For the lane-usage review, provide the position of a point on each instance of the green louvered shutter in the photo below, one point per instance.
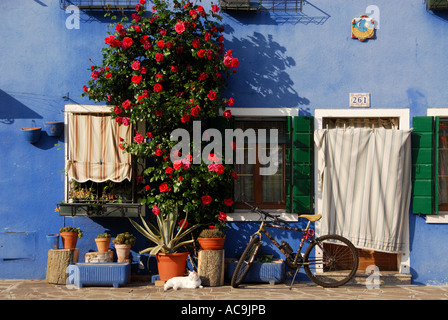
(424, 165)
(300, 159)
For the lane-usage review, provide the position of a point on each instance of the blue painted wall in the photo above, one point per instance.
(305, 60)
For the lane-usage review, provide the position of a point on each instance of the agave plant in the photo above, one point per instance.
(168, 234)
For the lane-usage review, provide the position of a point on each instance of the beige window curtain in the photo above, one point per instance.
(94, 152)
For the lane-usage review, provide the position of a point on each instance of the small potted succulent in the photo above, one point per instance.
(211, 239)
(123, 243)
(70, 236)
(102, 242)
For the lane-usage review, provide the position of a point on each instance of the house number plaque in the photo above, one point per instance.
(359, 100)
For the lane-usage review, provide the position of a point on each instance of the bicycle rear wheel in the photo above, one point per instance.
(331, 261)
(245, 262)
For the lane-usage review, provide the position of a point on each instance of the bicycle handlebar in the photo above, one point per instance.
(267, 214)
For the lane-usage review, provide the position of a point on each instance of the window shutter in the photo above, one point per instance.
(424, 170)
(300, 159)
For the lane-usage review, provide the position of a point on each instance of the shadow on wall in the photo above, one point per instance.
(263, 77)
(11, 109)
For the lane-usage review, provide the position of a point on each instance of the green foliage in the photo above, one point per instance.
(72, 229)
(104, 235)
(169, 233)
(211, 233)
(125, 238)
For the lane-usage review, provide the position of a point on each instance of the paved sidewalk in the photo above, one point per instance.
(40, 290)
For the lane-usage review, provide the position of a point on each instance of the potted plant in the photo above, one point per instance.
(102, 242)
(168, 237)
(70, 236)
(123, 243)
(211, 239)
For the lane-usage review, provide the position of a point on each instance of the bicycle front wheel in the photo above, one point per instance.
(331, 261)
(245, 262)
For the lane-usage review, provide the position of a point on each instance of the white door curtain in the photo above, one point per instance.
(366, 186)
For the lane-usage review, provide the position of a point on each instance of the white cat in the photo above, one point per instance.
(191, 281)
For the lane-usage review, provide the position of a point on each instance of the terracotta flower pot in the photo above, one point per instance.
(69, 239)
(123, 251)
(211, 243)
(102, 244)
(171, 265)
(32, 135)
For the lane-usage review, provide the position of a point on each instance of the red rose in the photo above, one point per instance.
(215, 8)
(164, 187)
(201, 53)
(135, 65)
(117, 110)
(211, 95)
(185, 118)
(161, 44)
(196, 43)
(138, 138)
(158, 152)
(174, 69)
(126, 105)
(156, 210)
(230, 102)
(136, 79)
(227, 114)
(177, 164)
(159, 56)
(183, 224)
(222, 216)
(179, 27)
(206, 199)
(228, 202)
(169, 170)
(127, 42)
(147, 187)
(158, 87)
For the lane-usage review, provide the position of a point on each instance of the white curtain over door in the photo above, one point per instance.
(366, 186)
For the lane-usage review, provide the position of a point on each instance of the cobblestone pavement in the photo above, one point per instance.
(40, 290)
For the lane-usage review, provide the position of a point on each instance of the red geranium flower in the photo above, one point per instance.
(156, 210)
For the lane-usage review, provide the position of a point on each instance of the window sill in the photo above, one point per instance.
(442, 217)
(247, 215)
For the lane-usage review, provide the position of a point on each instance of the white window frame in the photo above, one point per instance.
(442, 217)
(404, 120)
(247, 215)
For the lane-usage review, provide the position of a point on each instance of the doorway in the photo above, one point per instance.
(392, 119)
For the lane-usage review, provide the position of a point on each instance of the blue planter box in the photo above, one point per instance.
(261, 271)
(115, 274)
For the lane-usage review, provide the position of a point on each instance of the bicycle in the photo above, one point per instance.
(329, 261)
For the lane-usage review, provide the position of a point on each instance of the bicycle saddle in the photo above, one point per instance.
(311, 217)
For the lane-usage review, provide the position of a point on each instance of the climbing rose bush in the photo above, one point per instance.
(167, 68)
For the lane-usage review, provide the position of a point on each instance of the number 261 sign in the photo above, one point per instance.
(359, 99)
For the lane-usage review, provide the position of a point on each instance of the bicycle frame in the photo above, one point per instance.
(306, 235)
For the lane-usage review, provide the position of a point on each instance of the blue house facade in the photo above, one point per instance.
(305, 63)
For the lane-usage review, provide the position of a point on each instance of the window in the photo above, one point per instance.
(264, 191)
(443, 164)
(289, 191)
(100, 177)
(430, 163)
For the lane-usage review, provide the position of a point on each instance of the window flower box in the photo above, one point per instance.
(436, 4)
(100, 209)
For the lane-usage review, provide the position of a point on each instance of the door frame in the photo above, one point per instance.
(404, 123)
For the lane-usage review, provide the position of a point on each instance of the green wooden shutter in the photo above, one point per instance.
(424, 165)
(300, 186)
